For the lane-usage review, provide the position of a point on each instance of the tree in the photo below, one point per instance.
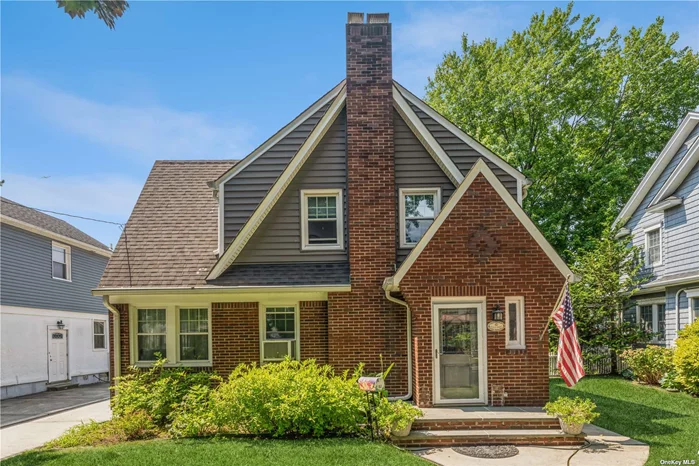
(609, 275)
(106, 10)
(581, 116)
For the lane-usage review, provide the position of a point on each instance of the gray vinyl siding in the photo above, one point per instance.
(671, 310)
(25, 274)
(463, 155)
(680, 237)
(415, 168)
(278, 239)
(244, 192)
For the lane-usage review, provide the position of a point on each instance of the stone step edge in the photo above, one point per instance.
(495, 433)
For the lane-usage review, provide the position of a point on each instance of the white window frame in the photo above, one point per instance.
(519, 343)
(179, 333)
(305, 244)
(68, 263)
(654, 326)
(263, 329)
(402, 192)
(693, 299)
(104, 334)
(172, 334)
(646, 233)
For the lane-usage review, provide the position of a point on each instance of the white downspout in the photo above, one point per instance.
(677, 313)
(409, 395)
(116, 335)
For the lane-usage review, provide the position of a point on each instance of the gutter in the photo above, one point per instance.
(116, 335)
(408, 395)
(219, 289)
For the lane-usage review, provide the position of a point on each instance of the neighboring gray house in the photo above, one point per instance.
(53, 330)
(663, 218)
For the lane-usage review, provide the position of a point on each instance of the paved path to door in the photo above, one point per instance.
(32, 434)
(25, 408)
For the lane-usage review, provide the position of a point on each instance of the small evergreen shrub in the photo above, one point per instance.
(686, 358)
(649, 364)
(156, 391)
(133, 426)
(289, 398)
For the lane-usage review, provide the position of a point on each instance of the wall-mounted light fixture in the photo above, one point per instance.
(498, 314)
(60, 324)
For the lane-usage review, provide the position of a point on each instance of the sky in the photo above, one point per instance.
(85, 111)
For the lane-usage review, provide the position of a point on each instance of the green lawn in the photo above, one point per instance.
(668, 422)
(225, 451)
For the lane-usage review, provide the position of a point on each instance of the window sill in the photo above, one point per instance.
(515, 347)
(322, 248)
(178, 364)
(408, 246)
(62, 279)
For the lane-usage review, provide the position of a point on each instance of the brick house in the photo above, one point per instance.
(368, 229)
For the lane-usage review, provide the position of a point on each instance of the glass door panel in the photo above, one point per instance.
(458, 353)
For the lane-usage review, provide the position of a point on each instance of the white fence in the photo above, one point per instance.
(602, 366)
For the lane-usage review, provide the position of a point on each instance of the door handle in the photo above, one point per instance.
(436, 353)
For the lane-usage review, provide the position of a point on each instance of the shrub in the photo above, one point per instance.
(649, 364)
(395, 415)
(156, 391)
(289, 398)
(572, 411)
(686, 358)
(134, 426)
(194, 416)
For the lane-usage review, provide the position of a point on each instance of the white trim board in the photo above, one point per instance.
(679, 174)
(479, 167)
(55, 236)
(279, 187)
(459, 133)
(663, 159)
(426, 139)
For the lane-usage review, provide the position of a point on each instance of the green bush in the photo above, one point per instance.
(395, 415)
(194, 417)
(156, 391)
(572, 411)
(134, 426)
(686, 358)
(649, 364)
(289, 398)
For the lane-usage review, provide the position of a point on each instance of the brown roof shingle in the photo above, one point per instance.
(171, 235)
(47, 222)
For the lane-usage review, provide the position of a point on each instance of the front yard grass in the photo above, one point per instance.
(224, 451)
(668, 422)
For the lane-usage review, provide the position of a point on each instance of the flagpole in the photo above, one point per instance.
(555, 308)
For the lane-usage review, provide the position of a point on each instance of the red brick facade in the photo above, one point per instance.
(124, 342)
(518, 266)
(235, 335)
(313, 316)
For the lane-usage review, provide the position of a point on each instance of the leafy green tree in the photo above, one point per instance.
(106, 10)
(582, 116)
(609, 275)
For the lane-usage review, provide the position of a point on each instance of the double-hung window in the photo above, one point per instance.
(514, 322)
(181, 334)
(654, 249)
(321, 219)
(649, 316)
(60, 261)
(279, 331)
(693, 297)
(418, 209)
(99, 339)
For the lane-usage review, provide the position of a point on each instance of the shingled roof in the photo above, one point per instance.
(46, 222)
(170, 238)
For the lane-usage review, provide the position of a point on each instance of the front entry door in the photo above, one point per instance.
(58, 355)
(459, 352)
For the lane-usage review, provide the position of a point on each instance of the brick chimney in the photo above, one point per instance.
(370, 153)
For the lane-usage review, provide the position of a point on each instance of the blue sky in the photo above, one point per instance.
(86, 110)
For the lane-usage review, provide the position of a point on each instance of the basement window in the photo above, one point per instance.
(321, 220)
(514, 322)
(418, 209)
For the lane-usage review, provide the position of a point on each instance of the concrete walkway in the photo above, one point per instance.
(32, 434)
(606, 448)
(25, 408)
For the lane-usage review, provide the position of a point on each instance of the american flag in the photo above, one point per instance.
(570, 363)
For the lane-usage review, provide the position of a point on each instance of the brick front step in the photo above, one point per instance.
(486, 424)
(456, 438)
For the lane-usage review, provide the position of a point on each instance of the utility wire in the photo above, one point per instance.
(77, 216)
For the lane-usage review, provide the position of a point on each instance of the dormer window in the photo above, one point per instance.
(654, 251)
(321, 220)
(418, 209)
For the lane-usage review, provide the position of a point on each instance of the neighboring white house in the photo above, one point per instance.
(54, 332)
(663, 218)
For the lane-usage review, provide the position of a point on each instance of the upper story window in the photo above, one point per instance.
(514, 322)
(321, 219)
(418, 209)
(279, 333)
(60, 258)
(654, 250)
